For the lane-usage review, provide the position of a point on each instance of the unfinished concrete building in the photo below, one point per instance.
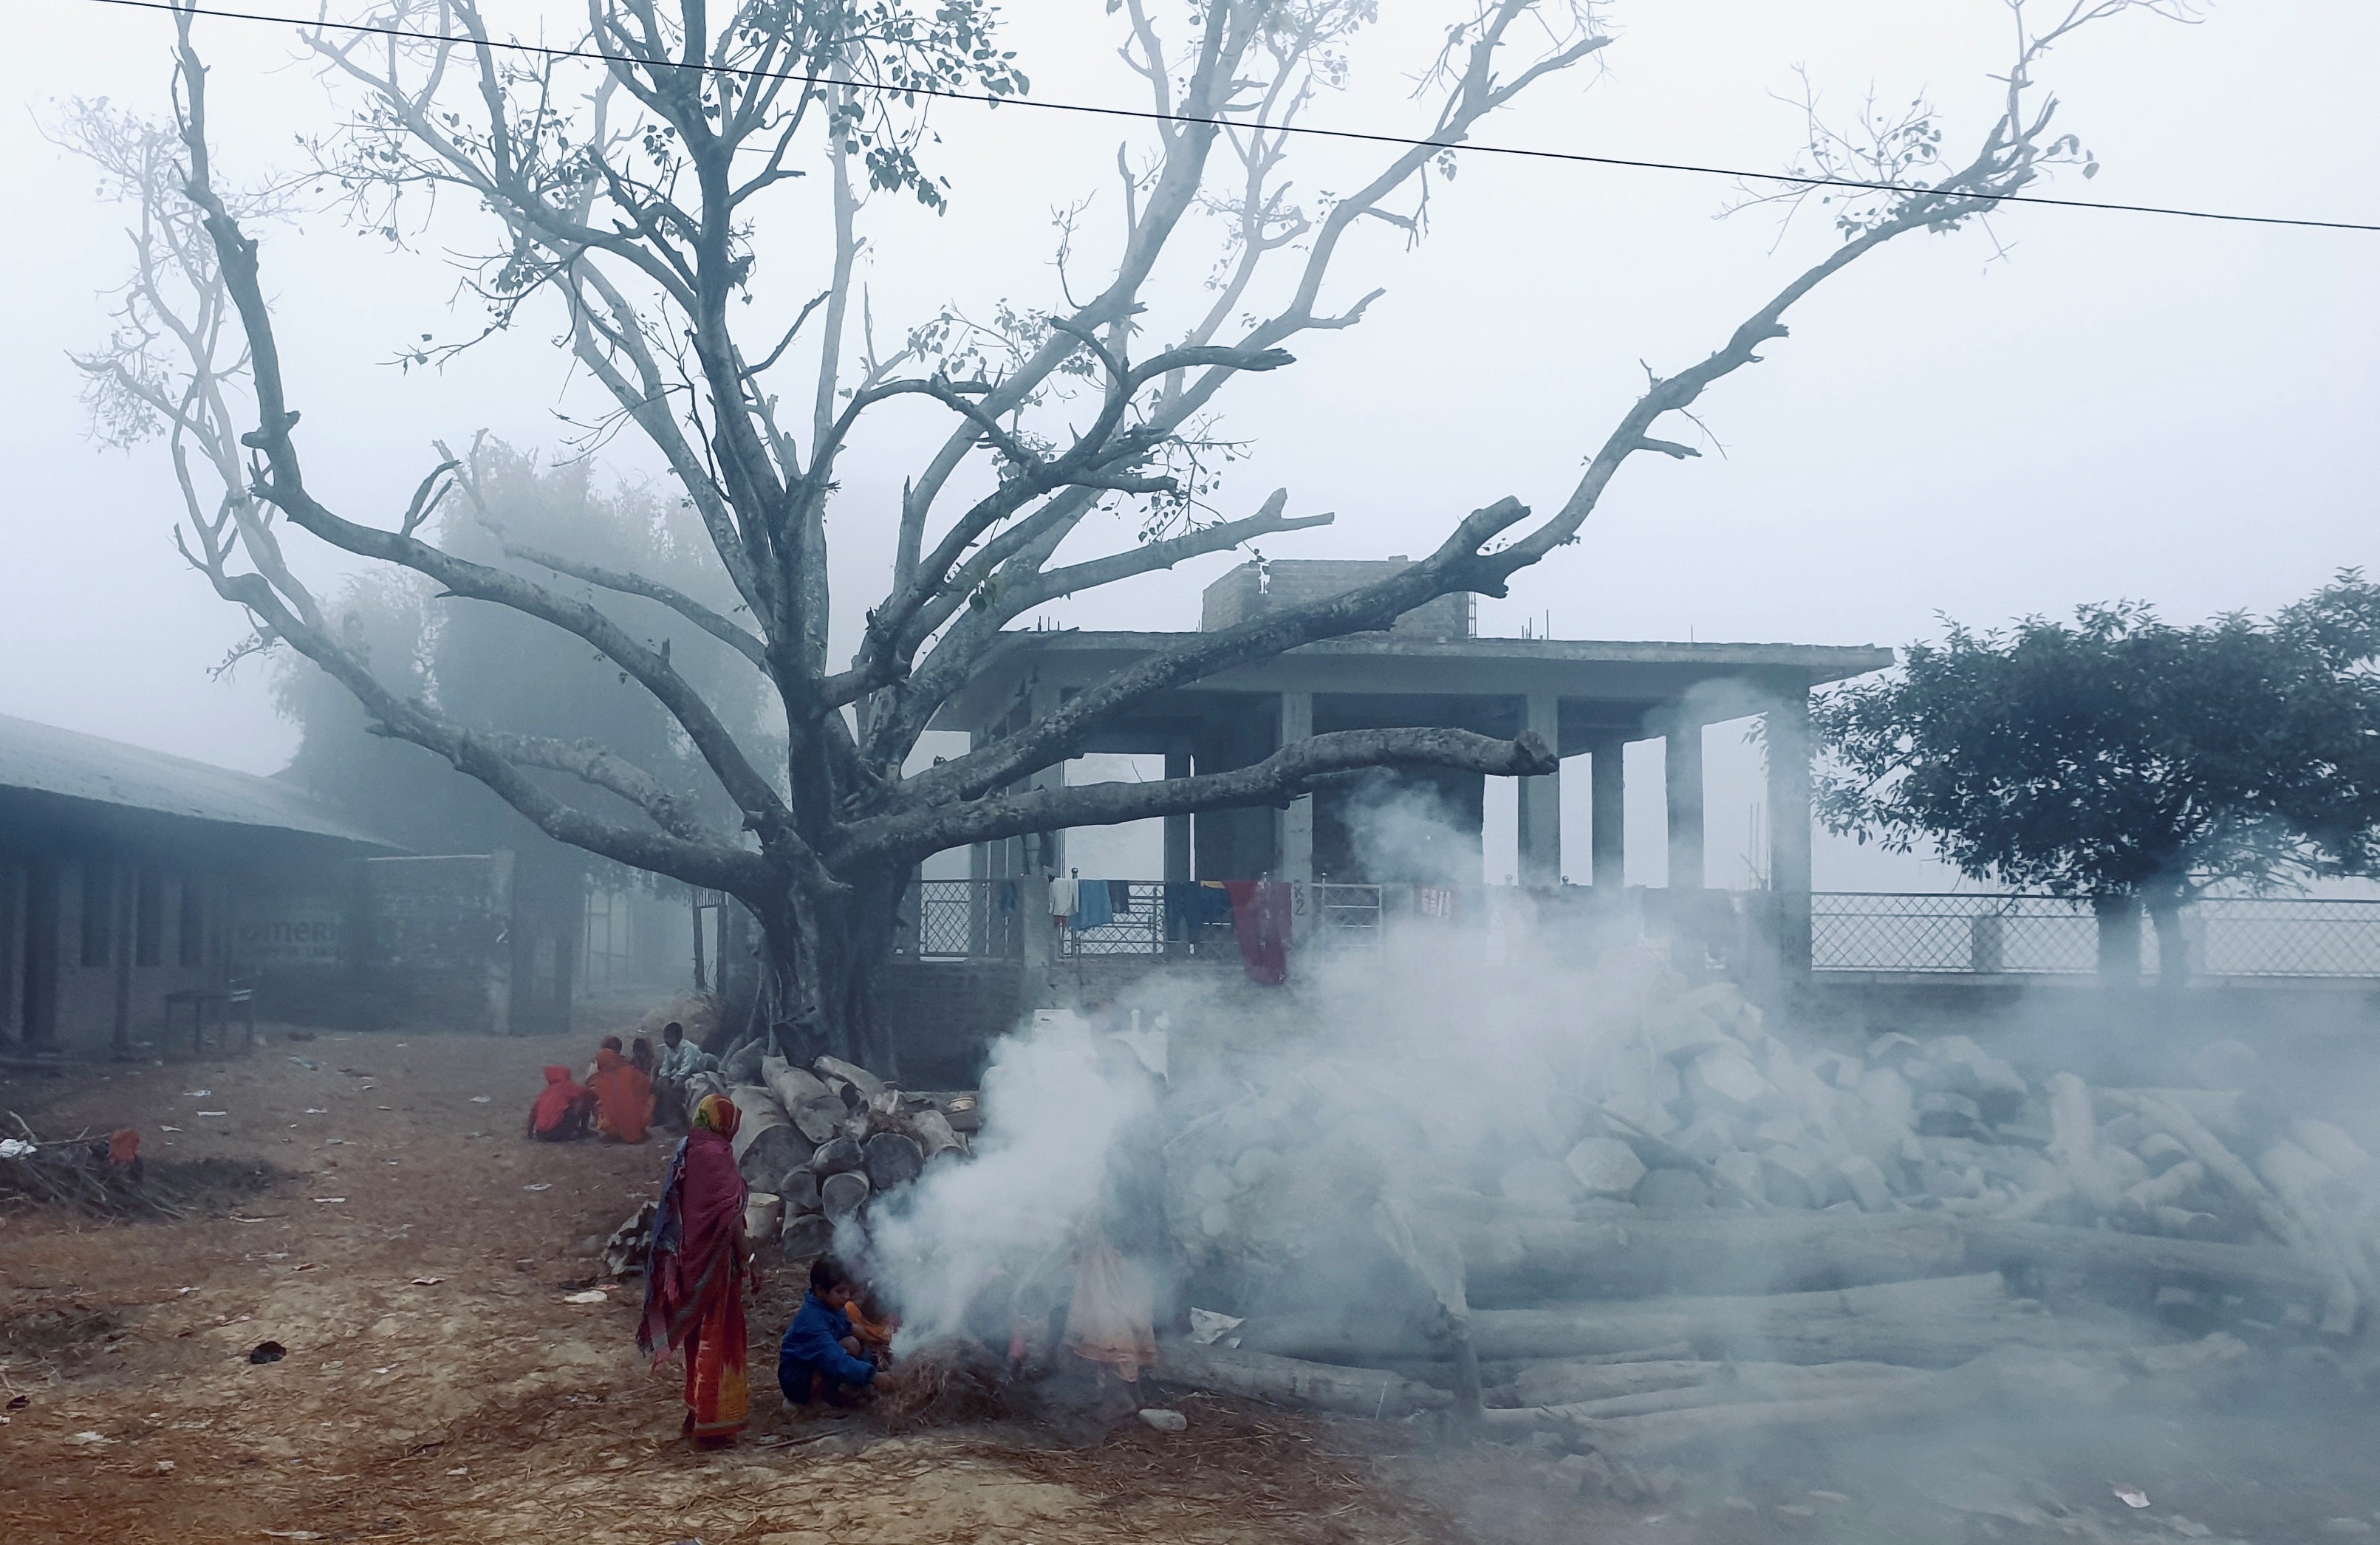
(1589, 699)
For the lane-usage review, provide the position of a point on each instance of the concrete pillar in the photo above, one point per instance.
(1788, 739)
(1177, 827)
(1540, 800)
(1045, 852)
(1682, 779)
(1607, 807)
(1293, 849)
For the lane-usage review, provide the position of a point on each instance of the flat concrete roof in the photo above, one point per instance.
(1632, 674)
(69, 765)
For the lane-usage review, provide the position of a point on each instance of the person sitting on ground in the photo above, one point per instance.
(679, 1055)
(640, 1056)
(624, 1096)
(679, 1059)
(561, 1110)
(610, 1044)
(820, 1358)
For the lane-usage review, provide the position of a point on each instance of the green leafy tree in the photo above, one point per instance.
(2124, 761)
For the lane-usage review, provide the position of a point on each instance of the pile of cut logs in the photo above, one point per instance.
(828, 1140)
(1692, 1228)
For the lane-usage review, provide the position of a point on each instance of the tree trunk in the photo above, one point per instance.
(822, 951)
(2119, 940)
(2174, 964)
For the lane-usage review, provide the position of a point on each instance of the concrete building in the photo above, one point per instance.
(126, 875)
(1587, 699)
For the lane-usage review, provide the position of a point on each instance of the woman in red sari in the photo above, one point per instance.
(694, 1282)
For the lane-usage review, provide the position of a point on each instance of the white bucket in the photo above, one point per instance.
(763, 1212)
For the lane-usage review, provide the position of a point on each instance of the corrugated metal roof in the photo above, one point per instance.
(78, 766)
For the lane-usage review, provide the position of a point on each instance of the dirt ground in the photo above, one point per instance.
(367, 1202)
(412, 1253)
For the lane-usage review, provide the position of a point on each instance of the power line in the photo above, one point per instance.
(1147, 114)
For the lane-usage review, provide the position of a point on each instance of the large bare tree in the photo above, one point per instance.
(621, 182)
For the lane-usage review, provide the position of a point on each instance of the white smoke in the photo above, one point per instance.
(1051, 1115)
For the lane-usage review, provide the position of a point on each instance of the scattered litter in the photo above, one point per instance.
(330, 1198)
(2132, 1496)
(482, 1098)
(164, 1466)
(179, 1291)
(310, 1266)
(211, 1113)
(425, 1282)
(381, 1107)
(460, 1470)
(291, 1534)
(1207, 1327)
(391, 1369)
(316, 1110)
(169, 1128)
(84, 1440)
(266, 1351)
(306, 1062)
(17, 1148)
(1165, 1422)
(591, 1296)
(539, 1186)
(196, 1094)
(19, 1401)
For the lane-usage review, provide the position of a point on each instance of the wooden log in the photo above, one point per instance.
(1932, 1323)
(1506, 1371)
(2147, 1261)
(811, 1234)
(1359, 1391)
(795, 1087)
(767, 1144)
(838, 1154)
(799, 1187)
(1568, 1381)
(892, 1161)
(1666, 1432)
(1515, 1259)
(841, 1196)
(1718, 1384)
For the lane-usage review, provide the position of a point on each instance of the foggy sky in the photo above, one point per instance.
(2118, 407)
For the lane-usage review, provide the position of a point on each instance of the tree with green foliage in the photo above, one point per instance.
(2124, 761)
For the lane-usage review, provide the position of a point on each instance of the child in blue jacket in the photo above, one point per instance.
(819, 1354)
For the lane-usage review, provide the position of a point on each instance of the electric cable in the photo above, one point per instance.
(1150, 114)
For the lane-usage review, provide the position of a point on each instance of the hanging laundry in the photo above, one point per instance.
(1064, 897)
(1260, 917)
(1191, 905)
(1094, 904)
(1120, 897)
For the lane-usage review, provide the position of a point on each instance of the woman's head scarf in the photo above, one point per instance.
(717, 1113)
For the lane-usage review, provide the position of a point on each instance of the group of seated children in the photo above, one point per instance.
(834, 1349)
(618, 1099)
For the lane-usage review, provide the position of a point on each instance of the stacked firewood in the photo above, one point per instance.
(1767, 1232)
(830, 1139)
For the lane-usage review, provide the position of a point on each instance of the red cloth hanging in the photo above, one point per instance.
(1260, 917)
